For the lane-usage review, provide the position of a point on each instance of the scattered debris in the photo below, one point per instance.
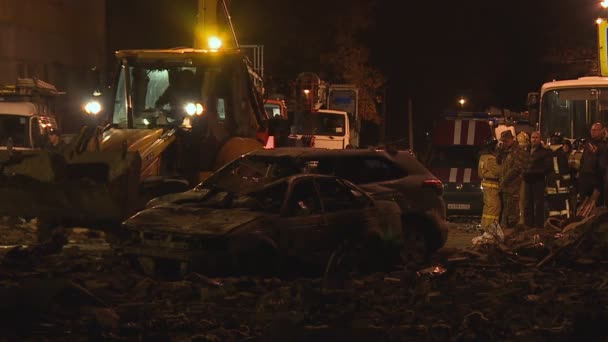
(536, 284)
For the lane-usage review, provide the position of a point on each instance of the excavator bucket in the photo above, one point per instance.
(86, 188)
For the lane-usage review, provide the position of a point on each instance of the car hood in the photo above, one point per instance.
(190, 220)
(177, 198)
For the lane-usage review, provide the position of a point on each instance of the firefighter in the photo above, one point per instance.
(537, 166)
(512, 158)
(593, 164)
(523, 139)
(489, 171)
(55, 143)
(559, 179)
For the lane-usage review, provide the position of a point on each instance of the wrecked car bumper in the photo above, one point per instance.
(197, 260)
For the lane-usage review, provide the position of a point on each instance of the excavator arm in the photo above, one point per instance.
(208, 25)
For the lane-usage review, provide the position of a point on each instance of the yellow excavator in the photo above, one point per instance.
(169, 119)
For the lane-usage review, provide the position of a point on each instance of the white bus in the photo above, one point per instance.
(571, 106)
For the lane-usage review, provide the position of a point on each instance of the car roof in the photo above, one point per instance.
(403, 159)
(311, 152)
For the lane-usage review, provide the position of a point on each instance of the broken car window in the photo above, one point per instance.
(304, 200)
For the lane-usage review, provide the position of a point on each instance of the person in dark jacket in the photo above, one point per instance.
(559, 179)
(534, 182)
(593, 164)
(55, 144)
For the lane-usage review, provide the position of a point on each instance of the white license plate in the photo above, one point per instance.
(459, 206)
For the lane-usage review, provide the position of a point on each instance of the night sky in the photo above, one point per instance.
(491, 52)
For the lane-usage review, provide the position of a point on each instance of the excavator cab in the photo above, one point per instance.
(203, 98)
(171, 118)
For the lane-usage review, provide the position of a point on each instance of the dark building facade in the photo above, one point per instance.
(58, 41)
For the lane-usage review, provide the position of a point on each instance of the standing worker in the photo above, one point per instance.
(593, 165)
(534, 174)
(523, 140)
(512, 158)
(489, 171)
(559, 179)
(55, 143)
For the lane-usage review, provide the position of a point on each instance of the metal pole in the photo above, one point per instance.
(262, 61)
(229, 18)
(383, 128)
(410, 124)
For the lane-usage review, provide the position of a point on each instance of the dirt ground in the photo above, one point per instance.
(85, 291)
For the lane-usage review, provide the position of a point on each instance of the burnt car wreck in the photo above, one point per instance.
(262, 226)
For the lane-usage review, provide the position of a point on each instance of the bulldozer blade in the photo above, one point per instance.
(87, 188)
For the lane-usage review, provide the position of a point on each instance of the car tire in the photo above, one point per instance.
(348, 258)
(146, 265)
(415, 251)
(260, 260)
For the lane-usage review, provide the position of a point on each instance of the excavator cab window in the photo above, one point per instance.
(159, 95)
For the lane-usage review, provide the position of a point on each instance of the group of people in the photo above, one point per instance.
(526, 181)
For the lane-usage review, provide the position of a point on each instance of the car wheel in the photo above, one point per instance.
(415, 250)
(147, 265)
(345, 260)
(261, 260)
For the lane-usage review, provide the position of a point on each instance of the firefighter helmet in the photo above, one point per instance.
(556, 138)
(579, 144)
(523, 138)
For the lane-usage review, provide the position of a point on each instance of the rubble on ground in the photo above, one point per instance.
(490, 292)
(580, 240)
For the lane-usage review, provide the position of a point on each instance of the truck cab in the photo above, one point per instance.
(26, 113)
(24, 126)
(329, 128)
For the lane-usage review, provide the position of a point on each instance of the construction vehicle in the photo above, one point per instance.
(275, 109)
(170, 118)
(27, 113)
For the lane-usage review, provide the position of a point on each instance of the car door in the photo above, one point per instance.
(348, 213)
(302, 227)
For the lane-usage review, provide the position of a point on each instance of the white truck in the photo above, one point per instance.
(313, 95)
(26, 114)
(329, 128)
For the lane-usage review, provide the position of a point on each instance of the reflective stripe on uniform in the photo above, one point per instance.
(566, 177)
(489, 184)
(492, 217)
(568, 208)
(558, 212)
(555, 166)
(555, 190)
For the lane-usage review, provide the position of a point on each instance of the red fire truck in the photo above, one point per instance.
(455, 144)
